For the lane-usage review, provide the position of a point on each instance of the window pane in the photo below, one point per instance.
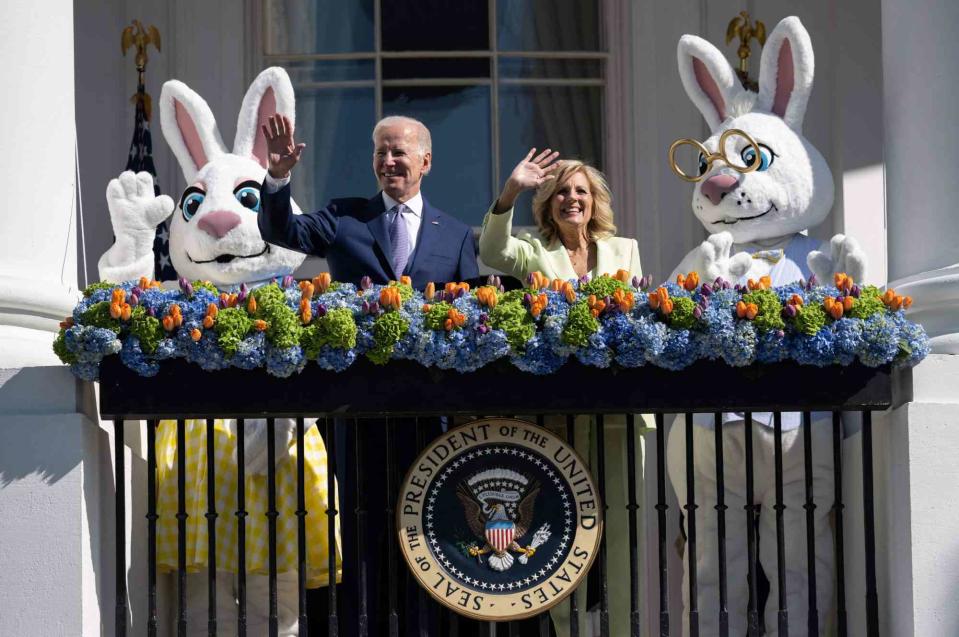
(318, 26)
(459, 123)
(565, 118)
(304, 72)
(552, 69)
(435, 25)
(336, 125)
(403, 68)
(548, 25)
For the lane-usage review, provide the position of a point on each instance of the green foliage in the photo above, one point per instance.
(603, 286)
(406, 291)
(284, 324)
(205, 285)
(868, 303)
(435, 319)
(388, 329)
(60, 349)
(682, 317)
(580, 325)
(100, 285)
(231, 327)
(810, 319)
(336, 329)
(511, 316)
(146, 328)
(770, 310)
(98, 315)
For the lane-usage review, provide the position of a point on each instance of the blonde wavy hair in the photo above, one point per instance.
(600, 225)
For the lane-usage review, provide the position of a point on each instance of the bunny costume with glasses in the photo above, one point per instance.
(757, 193)
(214, 236)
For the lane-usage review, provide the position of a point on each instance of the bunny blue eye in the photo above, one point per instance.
(703, 166)
(766, 156)
(249, 197)
(190, 202)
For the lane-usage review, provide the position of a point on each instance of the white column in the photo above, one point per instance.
(38, 255)
(921, 89)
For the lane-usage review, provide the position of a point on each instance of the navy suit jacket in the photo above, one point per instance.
(353, 235)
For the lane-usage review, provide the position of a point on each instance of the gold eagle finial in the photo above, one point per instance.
(137, 36)
(742, 27)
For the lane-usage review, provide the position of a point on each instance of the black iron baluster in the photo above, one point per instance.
(271, 515)
(573, 605)
(181, 516)
(869, 519)
(812, 620)
(631, 508)
(329, 433)
(721, 523)
(392, 566)
(120, 480)
(303, 622)
(690, 509)
(454, 618)
(603, 566)
(360, 512)
(421, 600)
(837, 508)
(241, 527)
(211, 516)
(512, 629)
(152, 517)
(661, 508)
(752, 615)
(783, 615)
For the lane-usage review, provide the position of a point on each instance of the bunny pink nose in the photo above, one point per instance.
(219, 222)
(718, 186)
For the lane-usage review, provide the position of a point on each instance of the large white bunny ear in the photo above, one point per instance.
(708, 79)
(189, 128)
(786, 72)
(271, 92)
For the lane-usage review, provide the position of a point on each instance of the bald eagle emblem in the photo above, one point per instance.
(498, 505)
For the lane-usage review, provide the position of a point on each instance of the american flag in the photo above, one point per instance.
(499, 533)
(141, 159)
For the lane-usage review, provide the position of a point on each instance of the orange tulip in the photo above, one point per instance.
(621, 275)
(795, 299)
(118, 295)
(556, 285)
(847, 303)
(843, 281)
(906, 302)
(125, 312)
(66, 323)
(569, 292)
(430, 291)
(426, 308)
(144, 283)
(115, 310)
(208, 321)
(888, 296)
(306, 315)
(667, 306)
(168, 323)
(251, 305)
(260, 325)
(322, 282)
(196, 334)
(833, 307)
(405, 280)
(896, 303)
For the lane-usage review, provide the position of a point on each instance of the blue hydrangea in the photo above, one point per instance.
(90, 344)
(680, 349)
(133, 357)
(335, 359)
(251, 352)
(739, 348)
(283, 362)
(815, 350)
(880, 336)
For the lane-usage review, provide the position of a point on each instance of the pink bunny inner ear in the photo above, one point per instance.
(709, 87)
(785, 78)
(190, 135)
(266, 110)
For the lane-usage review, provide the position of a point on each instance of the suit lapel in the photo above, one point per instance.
(379, 227)
(607, 260)
(429, 232)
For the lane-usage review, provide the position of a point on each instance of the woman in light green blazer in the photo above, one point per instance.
(572, 208)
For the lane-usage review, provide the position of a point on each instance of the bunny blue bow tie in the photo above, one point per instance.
(773, 256)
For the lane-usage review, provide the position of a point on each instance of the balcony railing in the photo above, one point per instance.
(377, 396)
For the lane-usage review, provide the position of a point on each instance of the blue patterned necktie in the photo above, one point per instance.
(400, 240)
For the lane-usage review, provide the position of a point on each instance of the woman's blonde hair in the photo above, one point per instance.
(601, 224)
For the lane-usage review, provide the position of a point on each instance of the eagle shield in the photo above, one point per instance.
(499, 534)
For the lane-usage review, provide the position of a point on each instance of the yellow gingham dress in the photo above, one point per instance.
(257, 532)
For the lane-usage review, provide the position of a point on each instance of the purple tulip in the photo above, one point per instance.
(152, 312)
(780, 333)
(855, 292)
(375, 307)
(529, 279)
(136, 289)
(134, 299)
(636, 282)
(483, 317)
(183, 281)
(698, 312)
(460, 292)
(584, 278)
(789, 311)
(706, 290)
(802, 283)
(243, 293)
(502, 288)
(812, 282)
(287, 280)
(189, 290)
(366, 307)
(366, 283)
(527, 298)
(320, 310)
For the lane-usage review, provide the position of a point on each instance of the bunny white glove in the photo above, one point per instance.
(135, 212)
(255, 443)
(845, 255)
(714, 259)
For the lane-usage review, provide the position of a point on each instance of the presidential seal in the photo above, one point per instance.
(499, 519)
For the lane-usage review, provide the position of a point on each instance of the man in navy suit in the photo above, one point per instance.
(395, 232)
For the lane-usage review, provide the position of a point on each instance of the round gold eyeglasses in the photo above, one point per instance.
(709, 158)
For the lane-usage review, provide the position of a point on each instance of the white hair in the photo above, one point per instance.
(422, 132)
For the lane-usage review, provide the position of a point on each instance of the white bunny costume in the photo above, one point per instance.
(214, 236)
(757, 218)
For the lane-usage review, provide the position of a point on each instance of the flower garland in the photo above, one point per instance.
(609, 320)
